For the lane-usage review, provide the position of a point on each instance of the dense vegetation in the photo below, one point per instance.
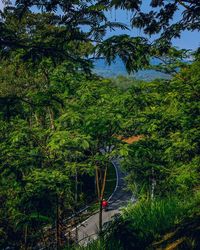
(163, 167)
(56, 116)
(52, 133)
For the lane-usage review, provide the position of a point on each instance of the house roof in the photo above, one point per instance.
(131, 139)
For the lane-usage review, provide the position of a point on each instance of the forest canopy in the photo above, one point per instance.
(57, 117)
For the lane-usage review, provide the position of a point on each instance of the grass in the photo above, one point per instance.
(183, 236)
(146, 221)
(100, 244)
(164, 222)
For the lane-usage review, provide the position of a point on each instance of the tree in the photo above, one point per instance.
(158, 19)
(55, 122)
(166, 160)
(57, 117)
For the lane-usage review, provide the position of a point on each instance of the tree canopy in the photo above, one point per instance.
(57, 118)
(60, 30)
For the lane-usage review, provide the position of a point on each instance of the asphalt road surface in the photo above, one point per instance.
(88, 230)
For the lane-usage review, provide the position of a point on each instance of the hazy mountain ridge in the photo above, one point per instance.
(117, 68)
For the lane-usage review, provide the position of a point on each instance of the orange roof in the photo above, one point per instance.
(131, 139)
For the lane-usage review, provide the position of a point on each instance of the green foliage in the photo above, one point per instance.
(100, 244)
(79, 31)
(124, 82)
(146, 220)
(161, 12)
(167, 158)
(170, 62)
(133, 51)
(56, 117)
(54, 121)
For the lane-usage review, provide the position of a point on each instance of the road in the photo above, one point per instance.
(88, 230)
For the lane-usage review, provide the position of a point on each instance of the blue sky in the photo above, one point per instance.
(188, 40)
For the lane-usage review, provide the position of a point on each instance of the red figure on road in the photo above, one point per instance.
(104, 204)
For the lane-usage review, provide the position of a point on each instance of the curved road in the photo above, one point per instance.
(88, 230)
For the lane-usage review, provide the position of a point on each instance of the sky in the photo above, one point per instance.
(188, 40)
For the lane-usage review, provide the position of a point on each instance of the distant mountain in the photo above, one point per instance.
(118, 68)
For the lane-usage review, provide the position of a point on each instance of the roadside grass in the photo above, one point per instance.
(184, 236)
(146, 221)
(100, 244)
(157, 224)
(148, 224)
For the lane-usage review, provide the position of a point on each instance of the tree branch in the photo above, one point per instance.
(183, 4)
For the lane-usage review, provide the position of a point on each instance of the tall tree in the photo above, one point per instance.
(166, 159)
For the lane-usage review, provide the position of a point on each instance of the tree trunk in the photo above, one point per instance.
(51, 117)
(76, 205)
(101, 187)
(97, 183)
(100, 215)
(153, 184)
(58, 239)
(104, 183)
(37, 119)
(76, 189)
(25, 237)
